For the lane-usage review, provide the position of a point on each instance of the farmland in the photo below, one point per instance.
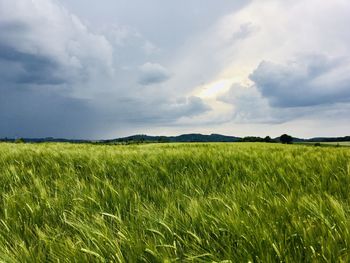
(236, 202)
(334, 144)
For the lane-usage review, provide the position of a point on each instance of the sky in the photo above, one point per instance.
(110, 68)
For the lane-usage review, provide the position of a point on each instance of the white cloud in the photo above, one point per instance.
(293, 54)
(307, 81)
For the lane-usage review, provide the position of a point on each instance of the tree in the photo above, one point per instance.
(163, 139)
(20, 140)
(267, 139)
(286, 139)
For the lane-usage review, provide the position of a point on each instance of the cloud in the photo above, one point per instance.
(285, 68)
(24, 113)
(91, 69)
(59, 77)
(25, 68)
(250, 106)
(153, 73)
(245, 30)
(152, 111)
(46, 44)
(306, 81)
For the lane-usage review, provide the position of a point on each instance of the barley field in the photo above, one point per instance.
(337, 143)
(238, 202)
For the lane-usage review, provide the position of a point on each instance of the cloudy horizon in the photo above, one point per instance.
(105, 69)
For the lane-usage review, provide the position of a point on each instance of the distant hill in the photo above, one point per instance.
(330, 139)
(321, 139)
(192, 137)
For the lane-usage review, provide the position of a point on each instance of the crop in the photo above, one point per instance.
(174, 202)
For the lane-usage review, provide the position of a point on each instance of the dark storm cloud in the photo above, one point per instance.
(60, 78)
(156, 111)
(307, 81)
(12, 27)
(40, 111)
(24, 113)
(31, 68)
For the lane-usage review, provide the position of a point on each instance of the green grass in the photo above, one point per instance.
(326, 143)
(174, 202)
(336, 143)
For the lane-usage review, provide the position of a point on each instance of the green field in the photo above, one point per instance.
(327, 143)
(237, 202)
(336, 143)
